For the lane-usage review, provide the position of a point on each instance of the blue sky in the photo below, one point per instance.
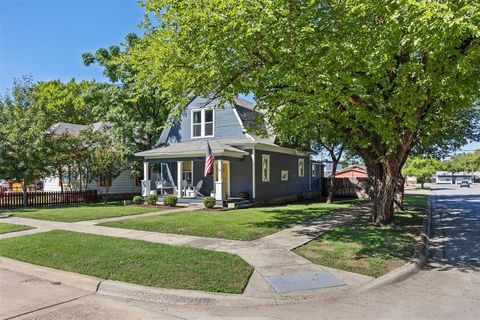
(46, 38)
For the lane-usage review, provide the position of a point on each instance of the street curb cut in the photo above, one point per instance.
(412, 267)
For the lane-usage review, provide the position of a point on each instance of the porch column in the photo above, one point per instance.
(219, 192)
(146, 179)
(179, 178)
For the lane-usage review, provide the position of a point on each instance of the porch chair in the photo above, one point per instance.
(197, 188)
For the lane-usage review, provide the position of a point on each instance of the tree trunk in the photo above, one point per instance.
(332, 182)
(399, 192)
(384, 195)
(60, 177)
(422, 183)
(24, 190)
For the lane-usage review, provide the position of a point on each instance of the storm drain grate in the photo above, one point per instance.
(304, 281)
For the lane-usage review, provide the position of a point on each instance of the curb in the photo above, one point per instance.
(70, 279)
(412, 267)
(138, 292)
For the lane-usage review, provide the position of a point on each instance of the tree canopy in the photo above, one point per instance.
(421, 168)
(385, 78)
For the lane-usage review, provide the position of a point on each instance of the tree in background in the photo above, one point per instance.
(422, 168)
(386, 78)
(463, 162)
(138, 108)
(71, 102)
(22, 127)
(104, 161)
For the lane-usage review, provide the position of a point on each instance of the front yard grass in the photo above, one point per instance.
(81, 213)
(9, 227)
(367, 249)
(131, 261)
(241, 224)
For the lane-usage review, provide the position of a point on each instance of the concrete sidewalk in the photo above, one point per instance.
(269, 256)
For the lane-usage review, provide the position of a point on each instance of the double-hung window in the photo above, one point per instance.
(202, 123)
(301, 167)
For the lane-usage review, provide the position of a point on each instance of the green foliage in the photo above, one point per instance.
(22, 143)
(382, 78)
(463, 162)
(209, 202)
(138, 108)
(170, 200)
(422, 168)
(152, 199)
(137, 200)
(71, 102)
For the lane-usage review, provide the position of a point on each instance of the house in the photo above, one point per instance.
(329, 167)
(444, 177)
(123, 187)
(247, 165)
(354, 171)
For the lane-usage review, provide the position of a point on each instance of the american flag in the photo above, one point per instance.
(209, 160)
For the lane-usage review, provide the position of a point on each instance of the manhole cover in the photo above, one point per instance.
(304, 281)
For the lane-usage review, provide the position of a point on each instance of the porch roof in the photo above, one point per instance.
(193, 149)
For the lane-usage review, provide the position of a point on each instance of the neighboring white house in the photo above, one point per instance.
(124, 185)
(444, 177)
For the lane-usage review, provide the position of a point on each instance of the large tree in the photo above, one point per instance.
(22, 124)
(385, 76)
(138, 107)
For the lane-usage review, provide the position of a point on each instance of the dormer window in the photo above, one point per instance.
(202, 123)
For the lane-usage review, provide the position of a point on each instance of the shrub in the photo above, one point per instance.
(137, 200)
(170, 201)
(209, 202)
(152, 199)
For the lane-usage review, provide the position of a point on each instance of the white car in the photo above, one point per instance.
(4, 185)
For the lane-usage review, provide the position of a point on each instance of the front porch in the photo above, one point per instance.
(179, 169)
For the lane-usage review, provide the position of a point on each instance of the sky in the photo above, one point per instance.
(46, 38)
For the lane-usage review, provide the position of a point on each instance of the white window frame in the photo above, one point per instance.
(284, 175)
(202, 123)
(314, 171)
(301, 161)
(266, 178)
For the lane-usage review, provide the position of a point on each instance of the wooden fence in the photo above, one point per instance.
(12, 200)
(347, 187)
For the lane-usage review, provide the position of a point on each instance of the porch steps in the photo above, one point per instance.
(239, 204)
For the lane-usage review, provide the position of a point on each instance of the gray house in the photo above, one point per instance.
(247, 166)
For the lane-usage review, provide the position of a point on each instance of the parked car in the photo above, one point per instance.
(464, 183)
(4, 185)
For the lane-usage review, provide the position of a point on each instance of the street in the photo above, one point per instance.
(447, 288)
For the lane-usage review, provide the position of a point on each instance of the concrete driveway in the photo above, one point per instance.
(448, 288)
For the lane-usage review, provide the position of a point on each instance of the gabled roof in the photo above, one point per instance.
(247, 116)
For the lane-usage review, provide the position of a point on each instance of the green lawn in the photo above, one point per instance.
(364, 248)
(241, 224)
(8, 227)
(81, 213)
(132, 261)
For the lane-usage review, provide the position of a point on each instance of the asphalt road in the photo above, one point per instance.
(448, 288)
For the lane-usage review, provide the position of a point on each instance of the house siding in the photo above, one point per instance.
(276, 187)
(123, 184)
(317, 179)
(226, 124)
